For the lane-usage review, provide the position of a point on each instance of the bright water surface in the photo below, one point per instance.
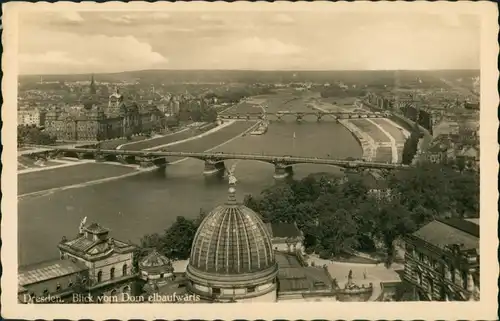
(150, 202)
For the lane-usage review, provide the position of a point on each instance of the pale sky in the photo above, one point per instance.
(84, 42)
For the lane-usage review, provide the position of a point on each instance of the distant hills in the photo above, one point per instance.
(253, 76)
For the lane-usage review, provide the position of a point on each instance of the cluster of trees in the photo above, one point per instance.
(196, 111)
(338, 215)
(175, 242)
(234, 95)
(336, 91)
(422, 117)
(410, 147)
(31, 134)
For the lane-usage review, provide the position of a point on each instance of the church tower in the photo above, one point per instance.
(93, 90)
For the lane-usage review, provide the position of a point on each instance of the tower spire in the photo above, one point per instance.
(92, 85)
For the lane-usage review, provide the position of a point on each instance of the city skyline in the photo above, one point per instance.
(294, 41)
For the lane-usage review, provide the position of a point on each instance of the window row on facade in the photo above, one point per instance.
(112, 273)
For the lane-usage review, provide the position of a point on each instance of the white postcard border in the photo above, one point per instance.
(485, 309)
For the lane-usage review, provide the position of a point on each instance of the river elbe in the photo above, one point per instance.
(146, 203)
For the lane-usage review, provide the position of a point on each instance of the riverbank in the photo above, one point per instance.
(149, 202)
(367, 143)
(209, 131)
(180, 136)
(90, 173)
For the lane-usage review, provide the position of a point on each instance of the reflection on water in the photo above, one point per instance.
(150, 202)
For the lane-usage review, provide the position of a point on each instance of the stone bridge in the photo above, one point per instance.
(214, 161)
(300, 116)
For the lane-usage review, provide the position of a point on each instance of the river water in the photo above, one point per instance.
(150, 202)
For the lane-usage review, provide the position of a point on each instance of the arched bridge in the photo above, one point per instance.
(300, 116)
(214, 161)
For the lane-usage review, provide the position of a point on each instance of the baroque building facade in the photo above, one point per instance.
(92, 267)
(95, 122)
(442, 260)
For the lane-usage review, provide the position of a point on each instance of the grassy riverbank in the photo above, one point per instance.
(57, 177)
(86, 172)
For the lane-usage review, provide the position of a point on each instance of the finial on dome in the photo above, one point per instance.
(232, 188)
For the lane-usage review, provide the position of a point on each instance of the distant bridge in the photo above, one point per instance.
(214, 161)
(300, 116)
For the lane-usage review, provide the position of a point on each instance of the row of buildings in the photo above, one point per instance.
(91, 119)
(236, 257)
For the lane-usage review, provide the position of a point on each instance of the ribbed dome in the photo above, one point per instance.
(232, 239)
(155, 260)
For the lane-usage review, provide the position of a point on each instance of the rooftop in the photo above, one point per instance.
(232, 239)
(95, 228)
(303, 279)
(88, 244)
(293, 276)
(155, 260)
(47, 270)
(442, 233)
(285, 260)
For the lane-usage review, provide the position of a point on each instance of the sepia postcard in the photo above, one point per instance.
(307, 160)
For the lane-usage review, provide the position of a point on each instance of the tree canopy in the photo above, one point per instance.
(410, 147)
(338, 215)
(30, 134)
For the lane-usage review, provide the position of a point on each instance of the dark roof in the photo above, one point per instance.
(48, 270)
(442, 233)
(303, 279)
(87, 245)
(463, 225)
(286, 260)
(283, 230)
(96, 229)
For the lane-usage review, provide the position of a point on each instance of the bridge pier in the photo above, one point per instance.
(53, 155)
(213, 167)
(145, 162)
(99, 157)
(122, 159)
(160, 162)
(282, 171)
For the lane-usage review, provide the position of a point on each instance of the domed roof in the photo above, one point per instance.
(232, 239)
(155, 261)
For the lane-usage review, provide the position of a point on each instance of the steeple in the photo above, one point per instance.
(93, 90)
